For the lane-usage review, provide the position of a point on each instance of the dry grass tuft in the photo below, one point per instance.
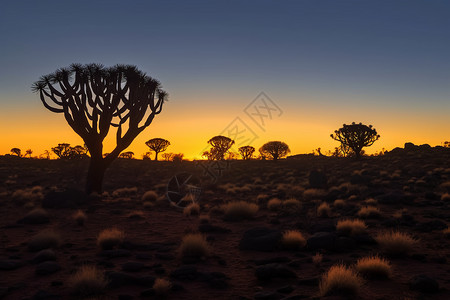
(293, 239)
(239, 210)
(339, 203)
(371, 202)
(317, 259)
(292, 204)
(324, 210)
(33, 194)
(396, 243)
(374, 267)
(351, 227)
(369, 212)
(312, 194)
(340, 280)
(194, 245)
(445, 197)
(123, 192)
(79, 217)
(192, 209)
(37, 216)
(149, 196)
(110, 238)
(274, 204)
(162, 287)
(136, 214)
(44, 239)
(88, 281)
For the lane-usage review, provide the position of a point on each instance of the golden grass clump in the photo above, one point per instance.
(162, 287)
(317, 259)
(339, 203)
(79, 217)
(445, 197)
(123, 192)
(369, 212)
(88, 281)
(192, 209)
(149, 196)
(110, 238)
(340, 280)
(324, 210)
(311, 194)
(274, 204)
(293, 239)
(351, 227)
(44, 239)
(261, 197)
(29, 194)
(194, 245)
(395, 243)
(239, 210)
(136, 214)
(371, 202)
(292, 204)
(374, 267)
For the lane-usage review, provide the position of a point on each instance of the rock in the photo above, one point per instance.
(44, 255)
(260, 239)
(10, 264)
(208, 228)
(47, 268)
(185, 273)
(132, 266)
(115, 253)
(269, 271)
(317, 179)
(268, 296)
(431, 226)
(321, 240)
(70, 198)
(424, 284)
(216, 280)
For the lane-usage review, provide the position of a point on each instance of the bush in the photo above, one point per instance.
(79, 217)
(239, 210)
(369, 212)
(33, 194)
(340, 280)
(149, 196)
(43, 240)
(292, 204)
(317, 259)
(445, 197)
(293, 239)
(339, 203)
(88, 281)
(109, 238)
(162, 287)
(36, 216)
(274, 204)
(371, 202)
(396, 243)
(351, 227)
(324, 210)
(192, 209)
(374, 267)
(194, 245)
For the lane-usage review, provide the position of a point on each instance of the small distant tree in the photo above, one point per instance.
(94, 98)
(16, 151)
(146, 155)
(28, 152)
(356, 136)
(220, 146)
(246, 152)
(177, 157)
(275, 149)
(158, 145)
(47, 154)
(167, 156)
(79, 151)
(63, 151)
(127, 155)
(447, 144)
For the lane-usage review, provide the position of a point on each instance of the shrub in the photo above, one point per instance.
(292, 204)
(192, 209)
(324, 210)
(194, 245)
(148, 204)
(79, 217)
(369, 212)
(339, 203)
(109, 238)
(274, 204)
(445, 197)
(262, 197)
(36, 216)
(26, 195)
(44, 239)
(371, 202)
(293, 239)
(239, 210)
(136, 214)
(162, 287)
(396, 243)
(88, 281)
(149, 196)
(340, 280)
(312, 194)
(374, 267)
(317, 259)
(351, 227)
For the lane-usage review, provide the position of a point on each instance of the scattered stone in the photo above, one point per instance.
(10, 264)
(321, 240)
(115, 253)
(260, 239)
(132, 266)
(269, 271)
(44, 255)
(424, 284)
(47, 268)
(208, 228)
(185, 273)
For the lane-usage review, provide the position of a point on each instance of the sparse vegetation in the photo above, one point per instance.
(340, 280)
(339, 203)
(369, 212)
(317, 259)
(79, 217)
(88, 281)
(274, 204)
(292, 205)
(374, 267)
(351, 227)
(239, 210)
(194, 245)
(110, 238)
(396, 243)
(293, 239)
(324, 210)
(192, 209)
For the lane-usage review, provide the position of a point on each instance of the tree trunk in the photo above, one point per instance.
(96, 173)
(156, 155)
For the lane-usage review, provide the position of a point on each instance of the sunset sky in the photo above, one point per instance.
(321, 63)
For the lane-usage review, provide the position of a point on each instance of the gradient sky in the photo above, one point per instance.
(324, 63)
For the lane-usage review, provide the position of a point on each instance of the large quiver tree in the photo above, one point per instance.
(275, 149)
(220, 145)
(356, 136)
(158, 145)
(93, 98)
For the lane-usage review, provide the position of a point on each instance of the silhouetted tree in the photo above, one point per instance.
(158, 145)
(209, 155)
(28, 152)
(127, 155)
(79, 151)
(16, 151)
(177, 157)
(220, 146)
(63, 151)
(246, 152)
(275, 149)
(146, 155)
(446, 144)
(356, 136)
(47, 154)
(94, 98)
(167, 156)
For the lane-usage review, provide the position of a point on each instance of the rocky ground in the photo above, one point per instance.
(410, 188)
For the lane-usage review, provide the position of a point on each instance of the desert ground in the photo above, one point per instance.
(246, 254)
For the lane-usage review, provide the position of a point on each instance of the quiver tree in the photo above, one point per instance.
(158, 145)
(63, 151)
(93, 98)
(220, 146)
(28, 152)
(16, 151)
(246, 152)
(356, 136)
(275, 149)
